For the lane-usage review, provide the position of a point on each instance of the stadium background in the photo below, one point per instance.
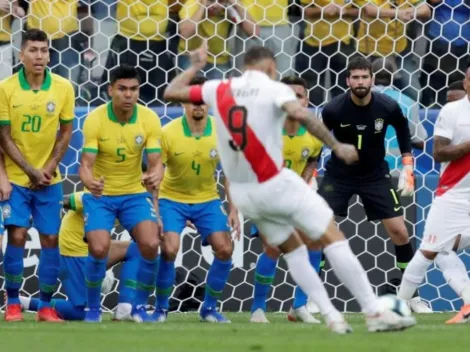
(83, 32)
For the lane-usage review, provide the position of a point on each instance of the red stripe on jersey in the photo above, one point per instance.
(453, 174)
(255, 153)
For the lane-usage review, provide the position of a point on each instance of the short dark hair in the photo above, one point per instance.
(359, 63)
(198, 81)
(457, 85)
(256, 54)
(383, 70)
(124, 71)
(33, 35)
(295, 81)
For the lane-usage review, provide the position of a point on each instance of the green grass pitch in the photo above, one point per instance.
(184, 333)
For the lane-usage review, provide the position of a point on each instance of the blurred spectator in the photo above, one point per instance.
(326, 46)
(448, 49)
(7, 9)
(275, 32)
(382, 33)
(456, 91)
(211, 20)
(383, 70)
(141, 42)
(58, 18)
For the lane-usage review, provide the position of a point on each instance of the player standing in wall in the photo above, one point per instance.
(115, 136)
(447, 226)
(250, 113)
(189, 192)
(301, 152)
(361, 117)
(34, 104)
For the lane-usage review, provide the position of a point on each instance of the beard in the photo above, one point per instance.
(198, 115)
(360, 92)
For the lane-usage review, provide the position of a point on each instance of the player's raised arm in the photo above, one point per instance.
(89, 152)
(179, 90)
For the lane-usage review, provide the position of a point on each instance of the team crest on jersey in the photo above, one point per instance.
(6, 211)
(213, 153)
(305, 153)
(50, 107)
(379, 124)
(139, 139)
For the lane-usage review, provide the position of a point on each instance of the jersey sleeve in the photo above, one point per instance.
(4, 107)
(68, 111)
(154, 135)
(444, 124)
(209, 92)
(283, 94)
(90, 135)
(402, 130)
(76, 203)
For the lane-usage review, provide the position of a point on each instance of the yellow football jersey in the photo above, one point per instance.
(72, 229)
(5, 29)
(119, 147)
(34, 117)
(190, 162)
(213, 28)
(142, 19)
(55, 17)
(384, 36)
(267, 12)
(299, 149)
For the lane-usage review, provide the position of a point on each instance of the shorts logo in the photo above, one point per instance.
(6, 211)
(139, 139)
(305, 153)
(50, 107)
(213, 153)
(379, 125)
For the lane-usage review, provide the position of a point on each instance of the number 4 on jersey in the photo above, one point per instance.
(237, 123)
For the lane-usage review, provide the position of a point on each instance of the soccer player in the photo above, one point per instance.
(250, 112)
(361, 117)
(115, 136)
(301, 152)
(189, 192)
(448, 224)
(73, 253)
(34, 104)
(456, 91)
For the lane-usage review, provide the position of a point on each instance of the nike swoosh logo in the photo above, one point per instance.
(104, 139)
(397, 208)
(177, 154)
(345, 125)
(17, 106)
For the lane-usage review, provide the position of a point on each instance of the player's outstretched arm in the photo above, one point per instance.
(315, 126)
(443, 150)
(5, 185)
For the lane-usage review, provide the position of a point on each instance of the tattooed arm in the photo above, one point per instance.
(444, 151)
(60, 147)
(309, 169)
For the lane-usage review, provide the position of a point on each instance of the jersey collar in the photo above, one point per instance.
(300, 132)
(113, 117)
(46, 84)
(187, 132)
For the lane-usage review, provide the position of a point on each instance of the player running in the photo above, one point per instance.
(73, 253)
(250, 112)
(448, 222)
(301, 152)
(115, 136)
(361, 117)
(34, 104)
(189, 192)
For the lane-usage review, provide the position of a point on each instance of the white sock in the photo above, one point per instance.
(25, 301)
(455, 273)
(305, 276)
(350, 272)
(414, 275)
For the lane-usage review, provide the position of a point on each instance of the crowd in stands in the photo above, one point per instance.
(426, 42)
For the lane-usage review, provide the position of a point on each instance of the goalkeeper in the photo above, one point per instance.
(73, 255)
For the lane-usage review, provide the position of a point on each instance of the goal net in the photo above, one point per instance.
(312, 39)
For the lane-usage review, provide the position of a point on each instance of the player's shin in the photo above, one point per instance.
(300, 298)
(49, 263)
(128, 279)
(216, 280)
(455, 273)
(146, 275)
(264, 276)
(95, 271)
(13, 268)
(404, 254)
(414, 275)
(165, 279)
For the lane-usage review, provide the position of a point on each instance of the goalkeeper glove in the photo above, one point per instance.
(406, 182)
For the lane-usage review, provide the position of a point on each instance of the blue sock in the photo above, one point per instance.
(48, 272)
(146, 276)
(13, 268)
(34, 304)
(264, 276)
(67, 310)
(128, 279)
(165, 280)
(95, 271)
(300, 298)
(215, 282)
